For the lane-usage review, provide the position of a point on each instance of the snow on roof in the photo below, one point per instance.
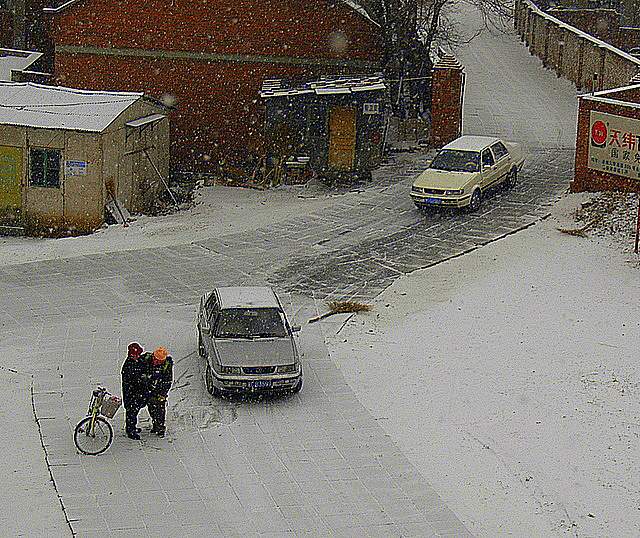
(247, 297)
(353, 5)
(471, 143)
(55, 107)
(15, 60)
(146, 120)
(324, 86)
(358, 8)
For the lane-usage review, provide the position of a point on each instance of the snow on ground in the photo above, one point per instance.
(217, 211)
(509, 377)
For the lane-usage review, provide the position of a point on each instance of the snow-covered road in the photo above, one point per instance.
(510, 378)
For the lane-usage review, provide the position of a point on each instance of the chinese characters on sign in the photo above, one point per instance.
(75, 168)
(614, 145)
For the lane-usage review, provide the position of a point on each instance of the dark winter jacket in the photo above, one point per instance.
(135, 381)
(160, 379)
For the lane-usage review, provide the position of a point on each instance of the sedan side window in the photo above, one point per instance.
(487, 158)
(499, 150)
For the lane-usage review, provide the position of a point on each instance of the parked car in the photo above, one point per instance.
(247, 341)
(463, 171)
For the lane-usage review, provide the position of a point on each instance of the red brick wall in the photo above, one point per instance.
(6, 29)
(628, 38)
(218, 106)
(600, 23)
(586, 179)
(446, 104)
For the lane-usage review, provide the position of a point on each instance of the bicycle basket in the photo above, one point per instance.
(110, 405)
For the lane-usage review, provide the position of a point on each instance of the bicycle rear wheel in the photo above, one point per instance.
(96, 442)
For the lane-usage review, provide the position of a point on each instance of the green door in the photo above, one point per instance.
(10, 184)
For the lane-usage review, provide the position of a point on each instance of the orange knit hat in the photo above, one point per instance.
(160, 354)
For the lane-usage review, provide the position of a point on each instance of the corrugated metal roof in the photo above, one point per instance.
(55, 107)
(324, 86)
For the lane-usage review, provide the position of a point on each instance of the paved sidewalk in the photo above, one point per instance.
(29, 505)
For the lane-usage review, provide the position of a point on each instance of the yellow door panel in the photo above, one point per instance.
(10, 179)
(342, 138)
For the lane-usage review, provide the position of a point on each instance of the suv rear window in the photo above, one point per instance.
(250, 323)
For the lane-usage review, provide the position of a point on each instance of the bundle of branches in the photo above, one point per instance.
(582, 231)
(342, 307)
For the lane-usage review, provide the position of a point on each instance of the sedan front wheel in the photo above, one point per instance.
(476, 200)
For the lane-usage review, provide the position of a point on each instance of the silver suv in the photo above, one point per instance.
(247, 342)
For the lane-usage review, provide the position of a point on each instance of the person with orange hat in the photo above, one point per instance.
(160, 380)
(134, 386)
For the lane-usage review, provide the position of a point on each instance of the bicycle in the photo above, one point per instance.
(94, 434)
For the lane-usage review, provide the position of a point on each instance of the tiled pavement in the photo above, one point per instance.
(314, 464)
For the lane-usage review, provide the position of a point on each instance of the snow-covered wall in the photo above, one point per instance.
(590, 63)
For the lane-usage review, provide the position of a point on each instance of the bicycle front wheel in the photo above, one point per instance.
(93, 442)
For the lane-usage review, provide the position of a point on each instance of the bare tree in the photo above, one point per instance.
(412, 29)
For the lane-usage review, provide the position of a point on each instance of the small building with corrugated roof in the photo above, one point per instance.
(67, 154)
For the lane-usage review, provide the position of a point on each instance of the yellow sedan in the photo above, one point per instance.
(465, 169)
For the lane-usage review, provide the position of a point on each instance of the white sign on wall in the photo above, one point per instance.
(614, 144)
(75, 168)
(371, 108)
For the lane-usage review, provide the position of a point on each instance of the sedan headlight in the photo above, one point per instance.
(415, 189)
(454, 192)
(288, 369)
(231, 370)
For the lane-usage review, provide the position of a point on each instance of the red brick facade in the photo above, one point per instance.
(446, 101)
(587, 179)
(211, 57)
(6, 29)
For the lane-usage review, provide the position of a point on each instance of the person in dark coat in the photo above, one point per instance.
(160, 380)
(135, 390)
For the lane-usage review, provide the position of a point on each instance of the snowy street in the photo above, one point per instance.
(386, 438)
(517, 366)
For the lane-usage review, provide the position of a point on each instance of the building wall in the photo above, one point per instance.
(629, 38)
(600, 23)
(128, 174)
(210, 58)
(6, 29)
(590, 180)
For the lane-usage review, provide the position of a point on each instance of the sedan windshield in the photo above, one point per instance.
(250, 323)
(454, 160)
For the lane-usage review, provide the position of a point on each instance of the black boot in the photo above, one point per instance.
(133, 435)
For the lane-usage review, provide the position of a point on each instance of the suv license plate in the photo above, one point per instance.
(433, 200)
(263, 384)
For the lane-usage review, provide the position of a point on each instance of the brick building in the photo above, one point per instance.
(211, 58)
(608, 141)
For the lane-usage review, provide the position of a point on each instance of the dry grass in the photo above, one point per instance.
(342, 307)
